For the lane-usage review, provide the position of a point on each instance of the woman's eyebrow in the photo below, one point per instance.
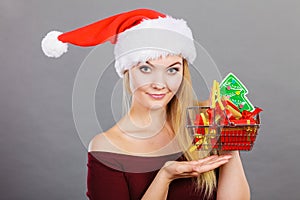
(168, 66)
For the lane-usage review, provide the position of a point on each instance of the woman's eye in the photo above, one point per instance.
(173, 70)
(145, 69)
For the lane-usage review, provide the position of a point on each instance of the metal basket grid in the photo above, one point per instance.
(216, 136)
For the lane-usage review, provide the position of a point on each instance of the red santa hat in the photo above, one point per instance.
(138, 35)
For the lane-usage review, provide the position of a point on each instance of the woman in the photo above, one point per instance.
(145, 154)
(154, 102)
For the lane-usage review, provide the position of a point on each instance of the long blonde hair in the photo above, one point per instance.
(176, 116)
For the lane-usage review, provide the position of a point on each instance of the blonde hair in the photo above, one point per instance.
(176, 115)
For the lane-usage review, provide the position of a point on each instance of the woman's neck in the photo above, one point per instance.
(145, 118)
(144, 122)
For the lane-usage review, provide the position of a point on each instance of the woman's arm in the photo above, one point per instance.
(173, 170)
(232, 182)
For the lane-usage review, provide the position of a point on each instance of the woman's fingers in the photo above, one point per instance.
(187, 169)
(208, 167)
(212, 159)
(212, 164)
(197, 170)
(208, 159)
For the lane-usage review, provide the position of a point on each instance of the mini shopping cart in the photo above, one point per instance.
(219, 133)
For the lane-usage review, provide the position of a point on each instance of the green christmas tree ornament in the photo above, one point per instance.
(232, 88)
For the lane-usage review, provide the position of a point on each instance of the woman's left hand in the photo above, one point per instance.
(185, 169)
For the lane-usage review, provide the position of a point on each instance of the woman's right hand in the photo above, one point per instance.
(186, 169)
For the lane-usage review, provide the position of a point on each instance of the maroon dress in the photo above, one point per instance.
(126, 177)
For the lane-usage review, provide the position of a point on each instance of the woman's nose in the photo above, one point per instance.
(158, 86)
(158, 80)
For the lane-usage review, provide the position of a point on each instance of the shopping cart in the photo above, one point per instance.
(219, 132)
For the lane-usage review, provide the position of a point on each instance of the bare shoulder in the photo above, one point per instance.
(102, 141)
(97, 142)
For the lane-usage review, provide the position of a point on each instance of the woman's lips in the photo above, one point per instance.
(157, 96)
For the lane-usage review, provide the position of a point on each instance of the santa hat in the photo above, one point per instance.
(138, 35)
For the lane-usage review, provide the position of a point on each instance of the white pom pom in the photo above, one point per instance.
(52, 47)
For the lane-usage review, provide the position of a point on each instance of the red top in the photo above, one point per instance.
(126, 177)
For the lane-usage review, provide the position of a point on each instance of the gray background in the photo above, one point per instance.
(42, 156)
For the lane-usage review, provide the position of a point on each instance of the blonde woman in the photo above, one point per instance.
(160, 92)
(145, 154)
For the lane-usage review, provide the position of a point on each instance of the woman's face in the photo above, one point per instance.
(155, 82)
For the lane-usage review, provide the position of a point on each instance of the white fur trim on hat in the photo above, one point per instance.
(52, 47)
(152, 39)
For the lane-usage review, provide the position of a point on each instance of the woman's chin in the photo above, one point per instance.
(157, 106)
